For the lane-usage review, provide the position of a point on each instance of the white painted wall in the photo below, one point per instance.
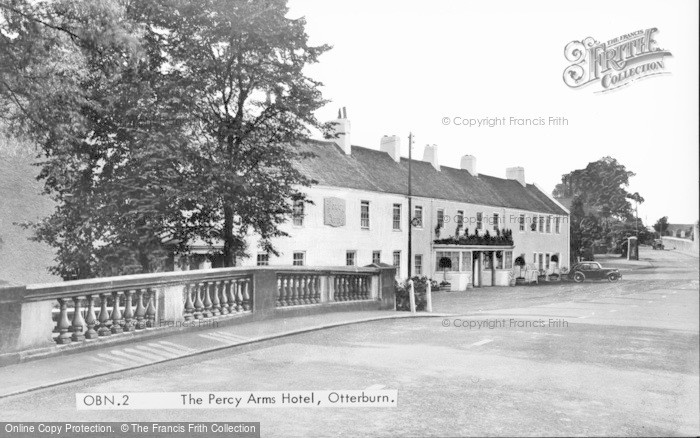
(327, 245)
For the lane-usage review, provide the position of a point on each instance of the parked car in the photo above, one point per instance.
(658, 244)
(593, 271)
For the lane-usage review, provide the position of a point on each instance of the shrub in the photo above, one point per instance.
(420, 286)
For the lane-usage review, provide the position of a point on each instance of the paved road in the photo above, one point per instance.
(625, 363)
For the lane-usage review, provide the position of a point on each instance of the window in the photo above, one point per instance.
(299, 258)
(546, 262)
(298, 213)
(418, 264)
(534, 257)
(557, 226)
(521, 221)
(540, 261)
(350, 258)
(397, 263)
(460, 218)
(396, 218)
(508, 259)
(376, 256)
(549, 224)
(488, 260)
(451, 262)
(418, 216)
(499, 259)
(364, 214)
(441, 218)
(495, 221)
(479, 217)
(466, 261)
(533, 224)
(541, 220)
(263, 259)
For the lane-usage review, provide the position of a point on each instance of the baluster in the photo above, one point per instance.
(317, 288)
(224, 297)
(78, 324)
(90, 319)
(231, 297)
(140, 311)
(346, 287)
(356, 288)
(302, 289)
(189, 305)
(105, 322)
(309, 290)
(207, 300)
(336, 288)
(247, 303)
(278, 302)
(215, 304)
(368, 292)
(151, 309)
(63, 325)
(312, 289)
(198, 305)
(286, 291)
(128, 312)
(237, 295)
(117, 321)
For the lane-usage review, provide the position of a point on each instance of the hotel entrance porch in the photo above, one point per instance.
(467, 266)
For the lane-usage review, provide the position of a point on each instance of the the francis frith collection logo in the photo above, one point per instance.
(616, 62)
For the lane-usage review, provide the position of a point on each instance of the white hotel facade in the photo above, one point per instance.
(359, 209)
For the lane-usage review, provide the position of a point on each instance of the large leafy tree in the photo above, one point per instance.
(158, 120)
(600, 203)
(661, 226)
(241, 66)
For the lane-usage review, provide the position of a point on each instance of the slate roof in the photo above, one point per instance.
(373, 170)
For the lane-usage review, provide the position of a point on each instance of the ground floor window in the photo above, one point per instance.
(508, 259)
(299, 258)
(263, 259)
(547, 259)
(447, 260)
(351, 258)
(397, 263)
(466, 261)
(499, 259)
(540, 261)
(376, 256)
(418, 265)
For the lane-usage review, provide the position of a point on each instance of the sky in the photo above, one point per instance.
(403, 66)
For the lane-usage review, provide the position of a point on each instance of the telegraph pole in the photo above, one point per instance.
(410, 207)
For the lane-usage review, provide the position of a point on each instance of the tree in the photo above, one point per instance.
(661, 226)
(599, 201)
(159, 120)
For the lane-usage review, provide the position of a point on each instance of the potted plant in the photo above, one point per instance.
(520, 262)
(445, 263)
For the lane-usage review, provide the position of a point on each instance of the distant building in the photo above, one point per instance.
(682, 231)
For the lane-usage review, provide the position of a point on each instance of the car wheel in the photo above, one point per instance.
(579, 277)
(613, 277)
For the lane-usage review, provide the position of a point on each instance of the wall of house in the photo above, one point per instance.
(327, 245)
(526, 242)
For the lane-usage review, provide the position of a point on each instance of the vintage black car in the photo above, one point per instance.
(593, 271)
(658, 244)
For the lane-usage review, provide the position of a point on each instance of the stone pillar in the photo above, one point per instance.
(264, 292)
(387, 292)
(23, 325)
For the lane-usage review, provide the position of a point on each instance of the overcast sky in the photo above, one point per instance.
(401, 66)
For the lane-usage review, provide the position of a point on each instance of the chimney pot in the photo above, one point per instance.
(430, 155)
(517, 174)
(468, 163)
(392, 146)
(341, 127)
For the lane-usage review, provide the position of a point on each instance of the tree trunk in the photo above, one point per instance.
(229, 240)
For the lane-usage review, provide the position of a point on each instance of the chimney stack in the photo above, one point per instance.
(342, 128)
(391, 144)
(430, 155)
(469, 164)
(516, 173)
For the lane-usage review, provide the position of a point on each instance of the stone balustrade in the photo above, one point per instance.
(47, 317)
